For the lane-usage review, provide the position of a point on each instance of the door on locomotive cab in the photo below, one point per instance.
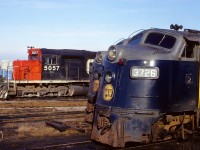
(186, 84)
(75, 69)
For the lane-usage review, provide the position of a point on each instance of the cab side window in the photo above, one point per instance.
(189, 50)
(53, 60)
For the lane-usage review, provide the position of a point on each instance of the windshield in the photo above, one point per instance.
(135, 40)
(121, 42)
(33, 57)
(160, 39)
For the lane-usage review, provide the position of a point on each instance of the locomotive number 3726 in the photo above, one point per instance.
(51, 68)
(140, 72)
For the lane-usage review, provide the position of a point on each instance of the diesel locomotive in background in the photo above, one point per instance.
(50, 72)
(150, 88)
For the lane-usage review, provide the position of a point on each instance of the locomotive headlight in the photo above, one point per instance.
(112, 54)
(149, 63)
(99, 57)
(108, 77)
(152, 63)
(146, 62)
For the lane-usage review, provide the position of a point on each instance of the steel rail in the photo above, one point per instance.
(40, 118)
(59, 145)
(75, 98)
(148, 145)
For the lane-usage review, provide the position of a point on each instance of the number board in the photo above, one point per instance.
(144, 72)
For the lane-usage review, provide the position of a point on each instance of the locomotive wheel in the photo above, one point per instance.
(41, 93)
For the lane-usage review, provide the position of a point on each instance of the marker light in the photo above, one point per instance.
(99, 57)
(122, 61)
(112, 53)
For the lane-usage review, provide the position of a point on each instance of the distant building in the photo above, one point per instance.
(6, 68)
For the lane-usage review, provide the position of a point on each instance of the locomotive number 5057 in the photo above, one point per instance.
(51, 68)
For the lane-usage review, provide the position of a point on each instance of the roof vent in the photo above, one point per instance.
(192, 31)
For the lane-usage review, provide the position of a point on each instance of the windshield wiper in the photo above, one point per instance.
(161, 40)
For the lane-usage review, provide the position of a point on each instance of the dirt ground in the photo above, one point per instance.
(37, 103)
(24, 121)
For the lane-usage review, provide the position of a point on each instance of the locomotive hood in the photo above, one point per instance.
(156, 44)
(141, 52)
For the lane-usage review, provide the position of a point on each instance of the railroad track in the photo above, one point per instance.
(19, 111)
(39, 104)
(27, 118)
(72, 145)
(150, 146)
(42, 117)
(88, 144)
(77, 98)
(33, 125)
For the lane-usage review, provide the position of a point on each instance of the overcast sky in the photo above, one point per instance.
(85, 24)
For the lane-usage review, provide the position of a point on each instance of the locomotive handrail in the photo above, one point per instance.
(50, 81)
(14, 78)
(9, 68)
(137, 31)
(118, 40)
(78, 73)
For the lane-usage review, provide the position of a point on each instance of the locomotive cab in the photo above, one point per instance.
(149, 88)
(34, 54)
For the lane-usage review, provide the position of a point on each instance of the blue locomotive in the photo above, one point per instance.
(149, 90)
(95, 77)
